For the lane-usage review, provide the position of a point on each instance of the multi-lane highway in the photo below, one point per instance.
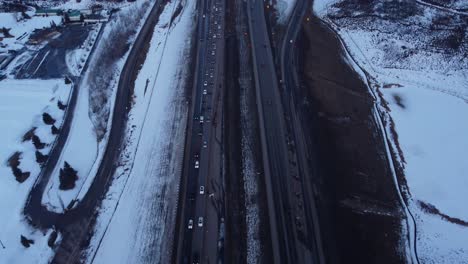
(198, 224)
(272, 135)
(293, 228)
(305, 160)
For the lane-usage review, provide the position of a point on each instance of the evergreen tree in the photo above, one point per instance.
(67, 177)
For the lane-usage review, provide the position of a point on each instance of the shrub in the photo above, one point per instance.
(67, 177)
(37, 142)
(48, 119)
(54, 130)
(41, 158)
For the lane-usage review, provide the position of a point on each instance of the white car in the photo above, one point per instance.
(202, 189)
(200, 221)
(202, 119)
(205, 83)
(205, 144)
(204, 91)
(190, 224)
(197, 164)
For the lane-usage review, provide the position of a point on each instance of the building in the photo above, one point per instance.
(94, 18)
(73, 16)
(48, 12)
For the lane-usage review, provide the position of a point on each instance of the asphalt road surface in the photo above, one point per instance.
(50, 61)
(305, 160)
(290, 229)
(200, 193)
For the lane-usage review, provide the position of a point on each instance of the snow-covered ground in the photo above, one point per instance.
(77, 58)
(421, 78)
(22, 28)
(139, 206)
(83, 4)
(82, 138)
(22, 103)
(284, 9)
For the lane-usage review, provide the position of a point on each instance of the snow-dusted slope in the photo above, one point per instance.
(135, 221)
(22, 103)
(416, 59)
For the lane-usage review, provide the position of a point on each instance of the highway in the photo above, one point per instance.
(198, 219)
(272, 135)
(305, 159)
(293, 228)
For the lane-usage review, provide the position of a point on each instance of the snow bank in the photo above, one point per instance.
(77, 58)
(320, 6)
(22, 103)
(136, 206)
(284, 9)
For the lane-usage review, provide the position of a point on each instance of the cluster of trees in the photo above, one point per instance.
(113, 46)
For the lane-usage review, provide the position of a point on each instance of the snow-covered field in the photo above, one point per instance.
(421, 78)
(22, 28)
(137, 207)
(22, 103)
(83, 138)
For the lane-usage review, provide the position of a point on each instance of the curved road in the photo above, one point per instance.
(83, 214)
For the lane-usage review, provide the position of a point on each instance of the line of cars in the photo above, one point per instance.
(213, 35)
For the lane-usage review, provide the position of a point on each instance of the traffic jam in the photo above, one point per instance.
(207, 84)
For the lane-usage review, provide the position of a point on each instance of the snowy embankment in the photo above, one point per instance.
(140, 205)
(84, 149)
(21, 28)
(423, 95)
(77, 58)
(284, 9)
(22, 104)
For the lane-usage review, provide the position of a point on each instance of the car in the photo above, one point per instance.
(201, 119)
(200, 221)
(202, 189)
(205, 83)
(197, 164)
(213, 53)
(190, 224)
(204, 91)
(204, 16)
(205, 144)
